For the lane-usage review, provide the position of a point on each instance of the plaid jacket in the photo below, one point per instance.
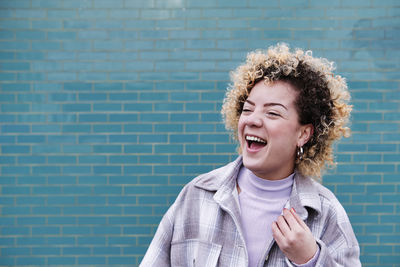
(202, 228)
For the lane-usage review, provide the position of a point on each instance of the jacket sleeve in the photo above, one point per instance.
(345, 256)
(338, 243)
(158, 253)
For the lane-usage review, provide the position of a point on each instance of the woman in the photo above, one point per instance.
(265, 209)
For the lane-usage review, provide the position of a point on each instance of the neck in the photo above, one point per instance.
(273, 176)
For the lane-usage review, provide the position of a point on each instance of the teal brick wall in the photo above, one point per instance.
(109, 107)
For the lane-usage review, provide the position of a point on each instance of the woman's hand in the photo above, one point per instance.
(294, 237)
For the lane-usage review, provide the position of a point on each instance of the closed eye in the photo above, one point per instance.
(273, 114)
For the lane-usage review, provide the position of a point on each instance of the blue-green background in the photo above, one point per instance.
(109, 107)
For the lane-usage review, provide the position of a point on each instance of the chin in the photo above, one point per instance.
(253, 164)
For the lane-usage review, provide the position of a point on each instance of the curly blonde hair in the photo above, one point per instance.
(322, 99)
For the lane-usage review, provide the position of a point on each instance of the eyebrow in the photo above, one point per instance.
(267, 104)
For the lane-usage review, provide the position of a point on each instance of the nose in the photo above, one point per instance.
(254, 119)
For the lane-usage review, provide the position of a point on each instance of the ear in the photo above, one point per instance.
(306, 131)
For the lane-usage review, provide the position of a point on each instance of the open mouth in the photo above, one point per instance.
(254, 142)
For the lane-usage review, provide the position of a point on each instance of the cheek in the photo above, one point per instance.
(283, 132)
(240, 124)
(240, 129)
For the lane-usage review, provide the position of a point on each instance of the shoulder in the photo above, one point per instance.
(329, 201)
(324, 192)
(207, 184)
(337, 222)
(328, 204)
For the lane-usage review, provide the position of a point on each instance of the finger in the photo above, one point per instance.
(291, 220)
(283, 226)
(276, 233)
(298, 219)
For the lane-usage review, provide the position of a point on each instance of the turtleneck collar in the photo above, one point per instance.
(262, 188)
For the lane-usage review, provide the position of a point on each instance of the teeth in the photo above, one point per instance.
(255, 139)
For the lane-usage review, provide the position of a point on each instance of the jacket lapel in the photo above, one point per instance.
(304, 195)
(223, 182)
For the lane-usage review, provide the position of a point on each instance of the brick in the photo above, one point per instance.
(34, 118)
(16, 211)
(46, 210)
(45, 24)
(121, 260)
(30, 260)
(197, 169)
(15, 251)
(46, 251)
(92, 96)
(126, 117)
(107, 169)
(188, 96)
(352, 148)
(379, 209)
(15, 170)
(381, 168)
(23, 241)
(7, 160)
(61, 180)
(160, 149)
(139, 190)
(381, 147)
(66, 35)
(30, 201)
(389, 116)
(7, 118)
(133, 127)
(18, 128)
(61, 260)
(76, 169)
(8, 77)
(216, 159)
(92, 260)
(114, 190)
(15, 149)
(126, 179)
(154, 117)
(106, 107)
(137, 169)
(7, 139)
(60, 240)
(184, 117)
(367, 158)
(37, 179)
(390, 259)
(14, 66)
(354, 168)
(76, 128)
(146, 159)
(46, 108)
(75, 251)
(77, 211)
(166, 107)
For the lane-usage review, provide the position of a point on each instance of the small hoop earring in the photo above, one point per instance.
(300, 152)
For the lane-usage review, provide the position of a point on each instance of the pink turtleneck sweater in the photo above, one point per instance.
(261, 202)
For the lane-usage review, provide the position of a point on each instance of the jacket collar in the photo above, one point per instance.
(304, 193)
(224, 176)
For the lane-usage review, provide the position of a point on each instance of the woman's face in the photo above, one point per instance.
(269, 130)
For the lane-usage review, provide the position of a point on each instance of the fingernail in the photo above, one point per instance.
(293, 210)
